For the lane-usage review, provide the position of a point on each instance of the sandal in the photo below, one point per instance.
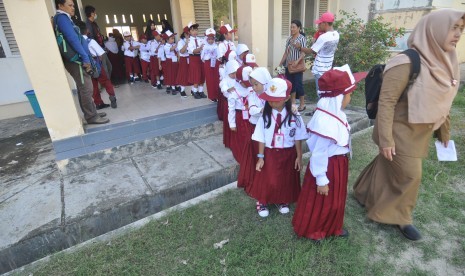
(302, 109)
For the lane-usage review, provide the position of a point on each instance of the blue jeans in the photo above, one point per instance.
(296, 80)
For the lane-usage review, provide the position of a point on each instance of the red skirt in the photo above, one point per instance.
(222, 104)
(183, 72)
(116, 61)
(248, 163)
(196, 73)
(240, 137)
(317, 216)
(171, 70)
(278, 182)
(212, 77)
(154, 69)
(226, 130)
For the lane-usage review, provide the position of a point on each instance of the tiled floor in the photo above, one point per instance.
(140, 100)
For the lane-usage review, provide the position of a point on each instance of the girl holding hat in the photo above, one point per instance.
(130, 57)
(320, 208)
(183, 69)
(258, 79)
(227, 86)
(171, 63)
(279, 133)
(388, 186)
(196, 70)
(209, 57)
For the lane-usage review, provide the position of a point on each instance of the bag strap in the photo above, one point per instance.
(416, 63)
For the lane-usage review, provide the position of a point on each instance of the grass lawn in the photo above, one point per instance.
(182, 243)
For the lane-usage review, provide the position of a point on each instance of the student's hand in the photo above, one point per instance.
(445, 143)
(230, 89)
(388, 152)
(260, 164)
(131, 48)
(322, 190)
(294, 108)
(234, 129)
(298, 164)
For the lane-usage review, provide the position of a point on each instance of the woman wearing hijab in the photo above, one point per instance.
(115, 58)
(388, 186)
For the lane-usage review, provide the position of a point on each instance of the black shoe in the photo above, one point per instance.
(113, 102)
(309, 113)
(168, 90)
(161, 81)
(101, 106)
(214, 101)
(159, 86)
(183, 94)
(174, 91)
(146, 81)
(344, 234)
(202, 95)
(410, 232)
(197, 95)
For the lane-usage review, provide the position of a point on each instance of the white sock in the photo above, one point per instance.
(158, 82)
(162, 78)
(173, 87)
(183, 88)
(194, 89)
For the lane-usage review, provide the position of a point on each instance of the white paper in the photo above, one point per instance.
(446, 154)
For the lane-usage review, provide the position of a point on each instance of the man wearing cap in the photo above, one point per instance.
(325, 46)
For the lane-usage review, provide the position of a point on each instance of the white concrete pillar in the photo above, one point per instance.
(252, 17)
(43, 63)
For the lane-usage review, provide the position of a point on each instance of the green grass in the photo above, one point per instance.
(182, 242)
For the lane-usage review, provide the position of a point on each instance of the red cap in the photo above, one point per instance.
(143, 36)
(186, 30)
(227, 29)
(339, 80)
(325, 17)
(155, 33)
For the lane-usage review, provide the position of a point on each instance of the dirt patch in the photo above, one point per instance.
(19, 152)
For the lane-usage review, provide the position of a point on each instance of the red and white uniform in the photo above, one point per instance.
(196, 70)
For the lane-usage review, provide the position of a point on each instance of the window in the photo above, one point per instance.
(286, 20)
(202, 14)
(223, 14)
(8, 46)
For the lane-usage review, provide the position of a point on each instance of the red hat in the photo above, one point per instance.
(226, 29)
(325, 17)
(277, 90)
(164, 36)
(185, 30)
(169, 34)
(210, 32)
(338, 80)
(155, 33)
(142, 36)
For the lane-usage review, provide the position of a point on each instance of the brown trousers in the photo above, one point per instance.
(84, 88)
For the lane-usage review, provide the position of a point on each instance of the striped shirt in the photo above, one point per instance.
(293, 53)
(325, 47)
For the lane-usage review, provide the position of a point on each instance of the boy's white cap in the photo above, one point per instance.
(231, 66)
(232, 55)
(261, 75)
(241, 48)
(169, 33)
(190, 24)
(126, 33)
(246, 73)
(277, 90)
(210, 32)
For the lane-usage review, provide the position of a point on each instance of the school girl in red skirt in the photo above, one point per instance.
(209, 57)
(258, 79)
(144, 49)
(225, 47)
(155, 67)
(196, 72)
(131, 59)
(171, 63)
(227, 86)
(183, 70)
(279, 133)
(320, 209)
(162, 59)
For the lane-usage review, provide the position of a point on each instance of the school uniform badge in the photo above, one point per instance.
(292, 132)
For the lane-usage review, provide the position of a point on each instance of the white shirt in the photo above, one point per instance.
(255, 107)
(154, 46)
(170, 54)
(161, 53)
(145, 52)
(209, 51)
(291, 133)
(321, 149)
(126, 50)
(223, 47)
(94, 48)
(111, 45)
(192, 46)
(181, 44)
(325, 47)
(236, 101)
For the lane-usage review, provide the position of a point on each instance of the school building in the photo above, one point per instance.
(30, 60)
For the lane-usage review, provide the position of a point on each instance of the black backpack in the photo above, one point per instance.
(374, 80)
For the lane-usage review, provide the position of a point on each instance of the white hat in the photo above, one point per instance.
(246, 73)
(231, 66)
(169, 33)
(261, 75)
(251, 60)
(190, 24)
(226, 29)
(277, 90)
(210, 32)
(241, 48)
(232, 55)
(126, 33)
